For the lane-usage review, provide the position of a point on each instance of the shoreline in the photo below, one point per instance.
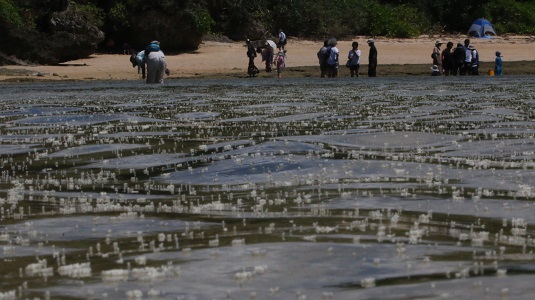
(397, 57)
(515, 68)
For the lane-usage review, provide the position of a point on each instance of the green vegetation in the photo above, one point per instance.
(512, 16)
(302, 18)
(11, 13)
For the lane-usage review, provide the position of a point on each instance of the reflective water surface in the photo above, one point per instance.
(385, 188)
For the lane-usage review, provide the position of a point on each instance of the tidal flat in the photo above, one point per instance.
(259, 188)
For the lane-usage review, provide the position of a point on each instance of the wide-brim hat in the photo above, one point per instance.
(438, 42)
(370, 41)
(471, 47)
(435, 68)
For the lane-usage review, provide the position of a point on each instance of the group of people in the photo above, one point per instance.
(328, 57)
(463, 60)
(268, 55)
(151, 63)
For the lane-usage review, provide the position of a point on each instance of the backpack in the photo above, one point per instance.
(326, 54)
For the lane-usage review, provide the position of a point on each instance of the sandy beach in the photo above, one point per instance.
(218, 59)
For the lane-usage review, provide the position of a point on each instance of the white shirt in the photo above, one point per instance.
(468, 57)
(333, 58)
(282, 36)
(355, 59)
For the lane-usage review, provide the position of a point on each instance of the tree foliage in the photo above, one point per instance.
(512, 16)
(303, 18)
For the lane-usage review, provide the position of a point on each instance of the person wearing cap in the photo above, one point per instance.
(474, 70)
(156, 65)
(372, 59)
(436, 55)
(498, 64)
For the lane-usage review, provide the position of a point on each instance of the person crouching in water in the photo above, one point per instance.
(280, 62)
(435, 70)
(156, 65)
(137, 61)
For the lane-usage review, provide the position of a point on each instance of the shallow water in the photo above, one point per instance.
(384, 188)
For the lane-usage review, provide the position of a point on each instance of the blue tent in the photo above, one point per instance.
(481, 28)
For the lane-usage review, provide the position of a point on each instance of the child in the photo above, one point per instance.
(354, 59)
(498, 64)
(280, 62)
(435, 71)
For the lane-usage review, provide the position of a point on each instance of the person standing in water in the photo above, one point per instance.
(447, 60)
(332, 60)
(322, 58)
(437, 61)
(280, 62)
(498, 64)
(354, 59)
(372, 59)
(282, 40)
(252, 70)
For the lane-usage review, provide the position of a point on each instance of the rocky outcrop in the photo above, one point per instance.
(63, 36)
(173, 32)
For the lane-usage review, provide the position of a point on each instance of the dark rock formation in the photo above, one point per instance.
(63, 36)
(174, 33)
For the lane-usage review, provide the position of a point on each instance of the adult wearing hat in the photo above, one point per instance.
(437, 61)
(372, 59)
(156, 65)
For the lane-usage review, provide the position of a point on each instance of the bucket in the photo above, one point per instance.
(491, 72)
